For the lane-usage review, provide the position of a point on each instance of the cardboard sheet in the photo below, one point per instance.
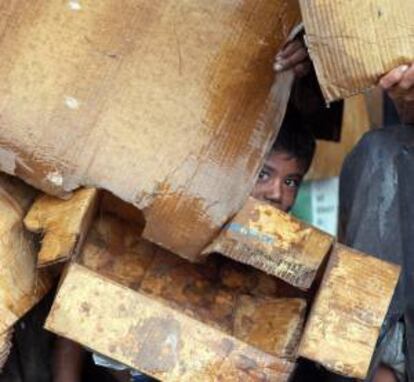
(273, 241)
(346, 317)
(22, 286)
(149, 336)
(131, 301)
(169, 105)
(353, 43)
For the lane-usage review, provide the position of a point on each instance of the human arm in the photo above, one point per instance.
(306, 98)
(68, 359)
(121, 375)
(294, 56)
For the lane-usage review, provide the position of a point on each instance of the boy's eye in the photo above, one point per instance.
(264, 176)
(292, 183)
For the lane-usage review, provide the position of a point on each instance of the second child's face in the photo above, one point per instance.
(279, 180)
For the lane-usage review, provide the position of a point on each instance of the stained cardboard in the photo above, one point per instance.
(169, 105)
(147, 335)
(62, 223)
(5, 347)
(136, 303)
(353, 43)
(22, 286)
(275, 242)
(346, 317)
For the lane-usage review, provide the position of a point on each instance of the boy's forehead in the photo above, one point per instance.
(281, 160)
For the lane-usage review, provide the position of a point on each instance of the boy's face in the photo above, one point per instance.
(279, 180)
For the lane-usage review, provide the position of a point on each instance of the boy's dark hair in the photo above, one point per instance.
(296, 139)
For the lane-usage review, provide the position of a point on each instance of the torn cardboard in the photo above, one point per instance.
(138, 304)
(346, 317)
(353, 43)
(148, 336)
(275, 242)
(62, 223)
(5, 347)
(169, 105)
(22, 286)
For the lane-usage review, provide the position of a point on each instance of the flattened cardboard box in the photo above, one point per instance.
(170, 105)
(177, 321)
(140, 305)
(182, 349)
(353, 43)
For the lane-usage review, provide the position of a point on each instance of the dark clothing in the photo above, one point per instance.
(307, 103)
(377, 214)
(31, 355)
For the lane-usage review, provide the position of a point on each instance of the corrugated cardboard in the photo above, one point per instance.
(131, 301)
(143, 306)
(170, 105)
(5, 347)
(63, 224)
(353, 43)
(22, 286)
(346, 317)
(273, 241)
(147, 335)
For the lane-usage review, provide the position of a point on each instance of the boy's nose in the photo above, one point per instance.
(274, 191)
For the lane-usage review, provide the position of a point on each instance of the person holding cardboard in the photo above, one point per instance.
(398, 83)
(279, 186)
(369, 180)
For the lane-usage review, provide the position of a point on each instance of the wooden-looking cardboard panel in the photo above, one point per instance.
(353, 43)
(270, 324)
(219, 293)
(63, 223)
(149, 336)
(21, 285)
(273, 241)
(350, 307)
(5, 347)
(143, 306)
(170, 105)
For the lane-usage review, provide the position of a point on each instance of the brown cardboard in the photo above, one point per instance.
(146, 335)
(346, 317)
(169, 105)
(136, 303)
(275, 242)
(353, 43)
(156, 312)
(22, 286)
(5, 347)
(62, 223)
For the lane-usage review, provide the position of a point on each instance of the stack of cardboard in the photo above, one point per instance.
(170, 106)
(139, 304)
